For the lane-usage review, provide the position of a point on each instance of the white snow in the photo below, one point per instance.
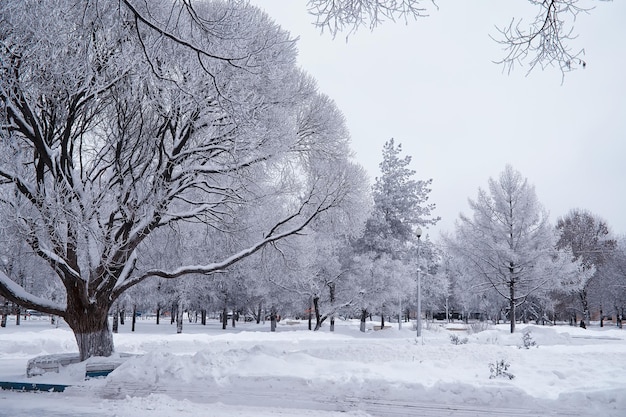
(297, 372)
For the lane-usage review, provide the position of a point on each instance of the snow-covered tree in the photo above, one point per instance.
(123, 118)
(317, 265)
(436, 279)
(472, 296)
(509, 245)
(588, 238)
(17, 263)
(608, 289)
(400, 207)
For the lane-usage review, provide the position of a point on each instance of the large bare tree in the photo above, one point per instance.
(121, 118)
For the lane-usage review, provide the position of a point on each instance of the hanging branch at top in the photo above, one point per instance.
(545, 42)
(338, 15)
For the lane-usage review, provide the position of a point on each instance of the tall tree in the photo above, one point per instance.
(589, 239)
(121, 118)
(400, 207)
(508, 243)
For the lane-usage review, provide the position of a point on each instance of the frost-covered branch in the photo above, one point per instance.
(217, 266)
(17, 294)
(337, 15)
(545, 42)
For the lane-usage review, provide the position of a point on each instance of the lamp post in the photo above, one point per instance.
(418, 232)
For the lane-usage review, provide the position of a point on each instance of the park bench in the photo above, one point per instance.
(95, 367)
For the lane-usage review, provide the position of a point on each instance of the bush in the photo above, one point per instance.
(456, 340)
(499, 369)
(528, 341)
(477, 327)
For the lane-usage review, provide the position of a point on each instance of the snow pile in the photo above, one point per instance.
(565, 370)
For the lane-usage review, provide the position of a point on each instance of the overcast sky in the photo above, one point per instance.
(432, 86)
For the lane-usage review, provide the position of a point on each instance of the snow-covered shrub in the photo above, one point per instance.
(500, 369)
(433, 327)
(528, 341)
(477, 327)
(456, 340)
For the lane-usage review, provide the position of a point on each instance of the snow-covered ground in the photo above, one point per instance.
(249, 371)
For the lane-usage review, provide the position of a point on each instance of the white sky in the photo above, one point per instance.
(432, 85)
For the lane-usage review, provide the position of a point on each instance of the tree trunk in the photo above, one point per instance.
(363, 318)
(273, 314)
(90, 324)
(316, 305)
(601, 317)
(179, 318)
(233, 319)
(122, 315)
(158, 314)
(259, 312)
(97, 343)
(224, 318)
(134, 319)
(18, 312)
(116, 315)
(331, 288)
(311, 313)
(174, 313)
(203, 317)
(512, 304)
(585, 303)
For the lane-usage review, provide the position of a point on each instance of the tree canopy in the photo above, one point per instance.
(122, 118)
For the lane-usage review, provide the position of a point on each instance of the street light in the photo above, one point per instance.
(418, 232)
